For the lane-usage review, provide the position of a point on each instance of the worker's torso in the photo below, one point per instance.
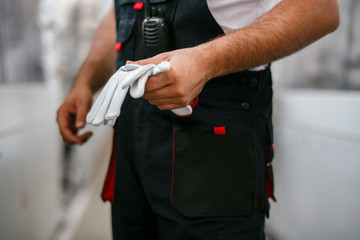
(238, 104)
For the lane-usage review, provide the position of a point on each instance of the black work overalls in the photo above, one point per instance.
(199, 177)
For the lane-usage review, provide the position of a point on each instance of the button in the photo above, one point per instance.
(253, 82)
(245, 105)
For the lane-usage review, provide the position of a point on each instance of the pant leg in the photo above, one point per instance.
(132, 216)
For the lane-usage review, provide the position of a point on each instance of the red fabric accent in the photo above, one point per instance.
(138, 6)
(192, 105)
(108, 192)
(118, 46)
(269, 186)
(220, 130)
(172, 171)
(195, 102)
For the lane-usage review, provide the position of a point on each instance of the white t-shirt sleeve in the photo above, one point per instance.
(232, 15)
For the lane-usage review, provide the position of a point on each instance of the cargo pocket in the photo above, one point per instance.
(213, 175)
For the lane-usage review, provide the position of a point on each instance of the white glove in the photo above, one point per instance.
(108, 105)
(96, 116)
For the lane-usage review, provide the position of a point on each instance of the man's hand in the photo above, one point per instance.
(71, 116)
(98, 67)
(182, 84)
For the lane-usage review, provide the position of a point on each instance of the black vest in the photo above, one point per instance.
(191, 21)
(245, 96)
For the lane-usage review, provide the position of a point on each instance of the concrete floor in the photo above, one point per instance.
(96, 222)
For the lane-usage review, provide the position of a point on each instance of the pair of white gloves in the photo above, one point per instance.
(107, 106)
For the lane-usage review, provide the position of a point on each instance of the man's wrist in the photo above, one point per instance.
(214, 57)
(207, 61)
(92, 77)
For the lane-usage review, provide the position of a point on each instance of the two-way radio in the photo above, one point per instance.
(156, 31)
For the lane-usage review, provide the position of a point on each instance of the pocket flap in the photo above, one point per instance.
(125, 28)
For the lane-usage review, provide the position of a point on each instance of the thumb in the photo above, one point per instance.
(80, 115)
(153, 60)
(141, 62)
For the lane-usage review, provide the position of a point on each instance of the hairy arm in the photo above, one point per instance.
(288, 27)
(100, 63)
(96, 70)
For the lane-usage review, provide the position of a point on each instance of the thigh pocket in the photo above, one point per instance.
(213, 175)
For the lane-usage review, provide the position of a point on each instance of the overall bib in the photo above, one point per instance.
(197, 177)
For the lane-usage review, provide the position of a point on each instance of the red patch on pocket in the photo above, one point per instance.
(220, 130)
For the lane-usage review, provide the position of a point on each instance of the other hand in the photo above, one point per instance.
(71, 116)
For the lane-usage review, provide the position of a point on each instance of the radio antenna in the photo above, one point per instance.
(147, 9)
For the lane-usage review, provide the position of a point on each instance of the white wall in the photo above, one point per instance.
(32, 204)
(316, 165)
(30, 157)
(317, 137)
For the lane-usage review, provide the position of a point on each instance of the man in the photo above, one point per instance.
(206, 176)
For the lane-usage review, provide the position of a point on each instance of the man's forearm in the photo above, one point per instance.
(100, 63)
(288, 27)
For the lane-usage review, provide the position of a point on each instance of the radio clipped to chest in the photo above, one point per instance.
(156, 31)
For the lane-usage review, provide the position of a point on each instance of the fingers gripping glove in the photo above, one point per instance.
(138, 87)
(108, 105)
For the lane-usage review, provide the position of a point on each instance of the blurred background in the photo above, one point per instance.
(49, 190)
